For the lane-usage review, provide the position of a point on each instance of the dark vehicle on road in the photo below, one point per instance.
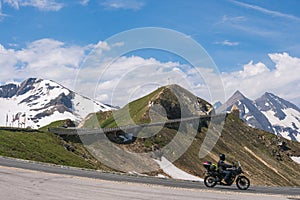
(213, 177)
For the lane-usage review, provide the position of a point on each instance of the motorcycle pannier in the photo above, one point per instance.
(207, 165)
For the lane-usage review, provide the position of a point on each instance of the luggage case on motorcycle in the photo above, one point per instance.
(209, 166)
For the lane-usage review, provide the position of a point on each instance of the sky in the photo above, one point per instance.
(253, 46)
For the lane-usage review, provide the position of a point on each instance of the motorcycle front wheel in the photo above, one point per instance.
(210, 181)
(242, 182)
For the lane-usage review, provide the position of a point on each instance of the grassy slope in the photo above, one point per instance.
(137, 110)
(42, 146)
(38, 146)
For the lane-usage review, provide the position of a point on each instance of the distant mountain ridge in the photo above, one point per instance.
(37, 102)
(269, 112)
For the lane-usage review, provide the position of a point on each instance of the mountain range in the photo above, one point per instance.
(37, 102)
(268, 112)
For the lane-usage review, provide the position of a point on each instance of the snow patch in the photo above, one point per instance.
(246, 109)
(175, 172)
(161, 176)
(296, 159)
(289, 121)
(249, 117)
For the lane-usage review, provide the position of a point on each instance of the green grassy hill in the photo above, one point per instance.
(138, 111)
(40, 145)
(176, 102)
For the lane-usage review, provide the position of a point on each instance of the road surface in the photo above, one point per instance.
(28, 180)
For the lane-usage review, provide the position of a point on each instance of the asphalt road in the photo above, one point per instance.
(30, 180)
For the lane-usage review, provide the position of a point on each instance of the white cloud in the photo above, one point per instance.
(238, 22)
(45, 58)
(228, 43)
(123, 4)
(128, 78)
(241, 23)
(266, 11)
(13, 3)
(250, 70)
(123, 80)
(131, 77)
(255, 79)
(2, 15)
(230, 19)
(43, 5)
(84, 2)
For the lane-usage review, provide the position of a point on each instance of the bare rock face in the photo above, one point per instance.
(179, 103)
(8, 91)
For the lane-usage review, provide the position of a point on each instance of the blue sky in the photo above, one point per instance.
(249, 40)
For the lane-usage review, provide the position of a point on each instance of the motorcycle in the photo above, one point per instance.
(213, 177)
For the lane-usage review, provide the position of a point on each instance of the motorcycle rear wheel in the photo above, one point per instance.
(210, 181)
(243, 183)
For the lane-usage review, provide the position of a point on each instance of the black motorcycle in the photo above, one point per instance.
(213, 177)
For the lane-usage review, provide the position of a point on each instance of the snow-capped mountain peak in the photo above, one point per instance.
(269, 112)
(283, 115)
(270, 101)
(37, 102)
(248, 111)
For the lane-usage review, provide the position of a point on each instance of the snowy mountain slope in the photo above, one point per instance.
(248, 111)
(37, 102)
(283, 115)
(269, 112)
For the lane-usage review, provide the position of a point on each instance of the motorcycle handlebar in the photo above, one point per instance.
(239, 164)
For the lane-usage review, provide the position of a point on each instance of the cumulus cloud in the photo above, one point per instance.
(257, 78)
(128, 78)
(119, 81)
(110, 81)
(45, 58)
(44, 5)
(250, 70)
